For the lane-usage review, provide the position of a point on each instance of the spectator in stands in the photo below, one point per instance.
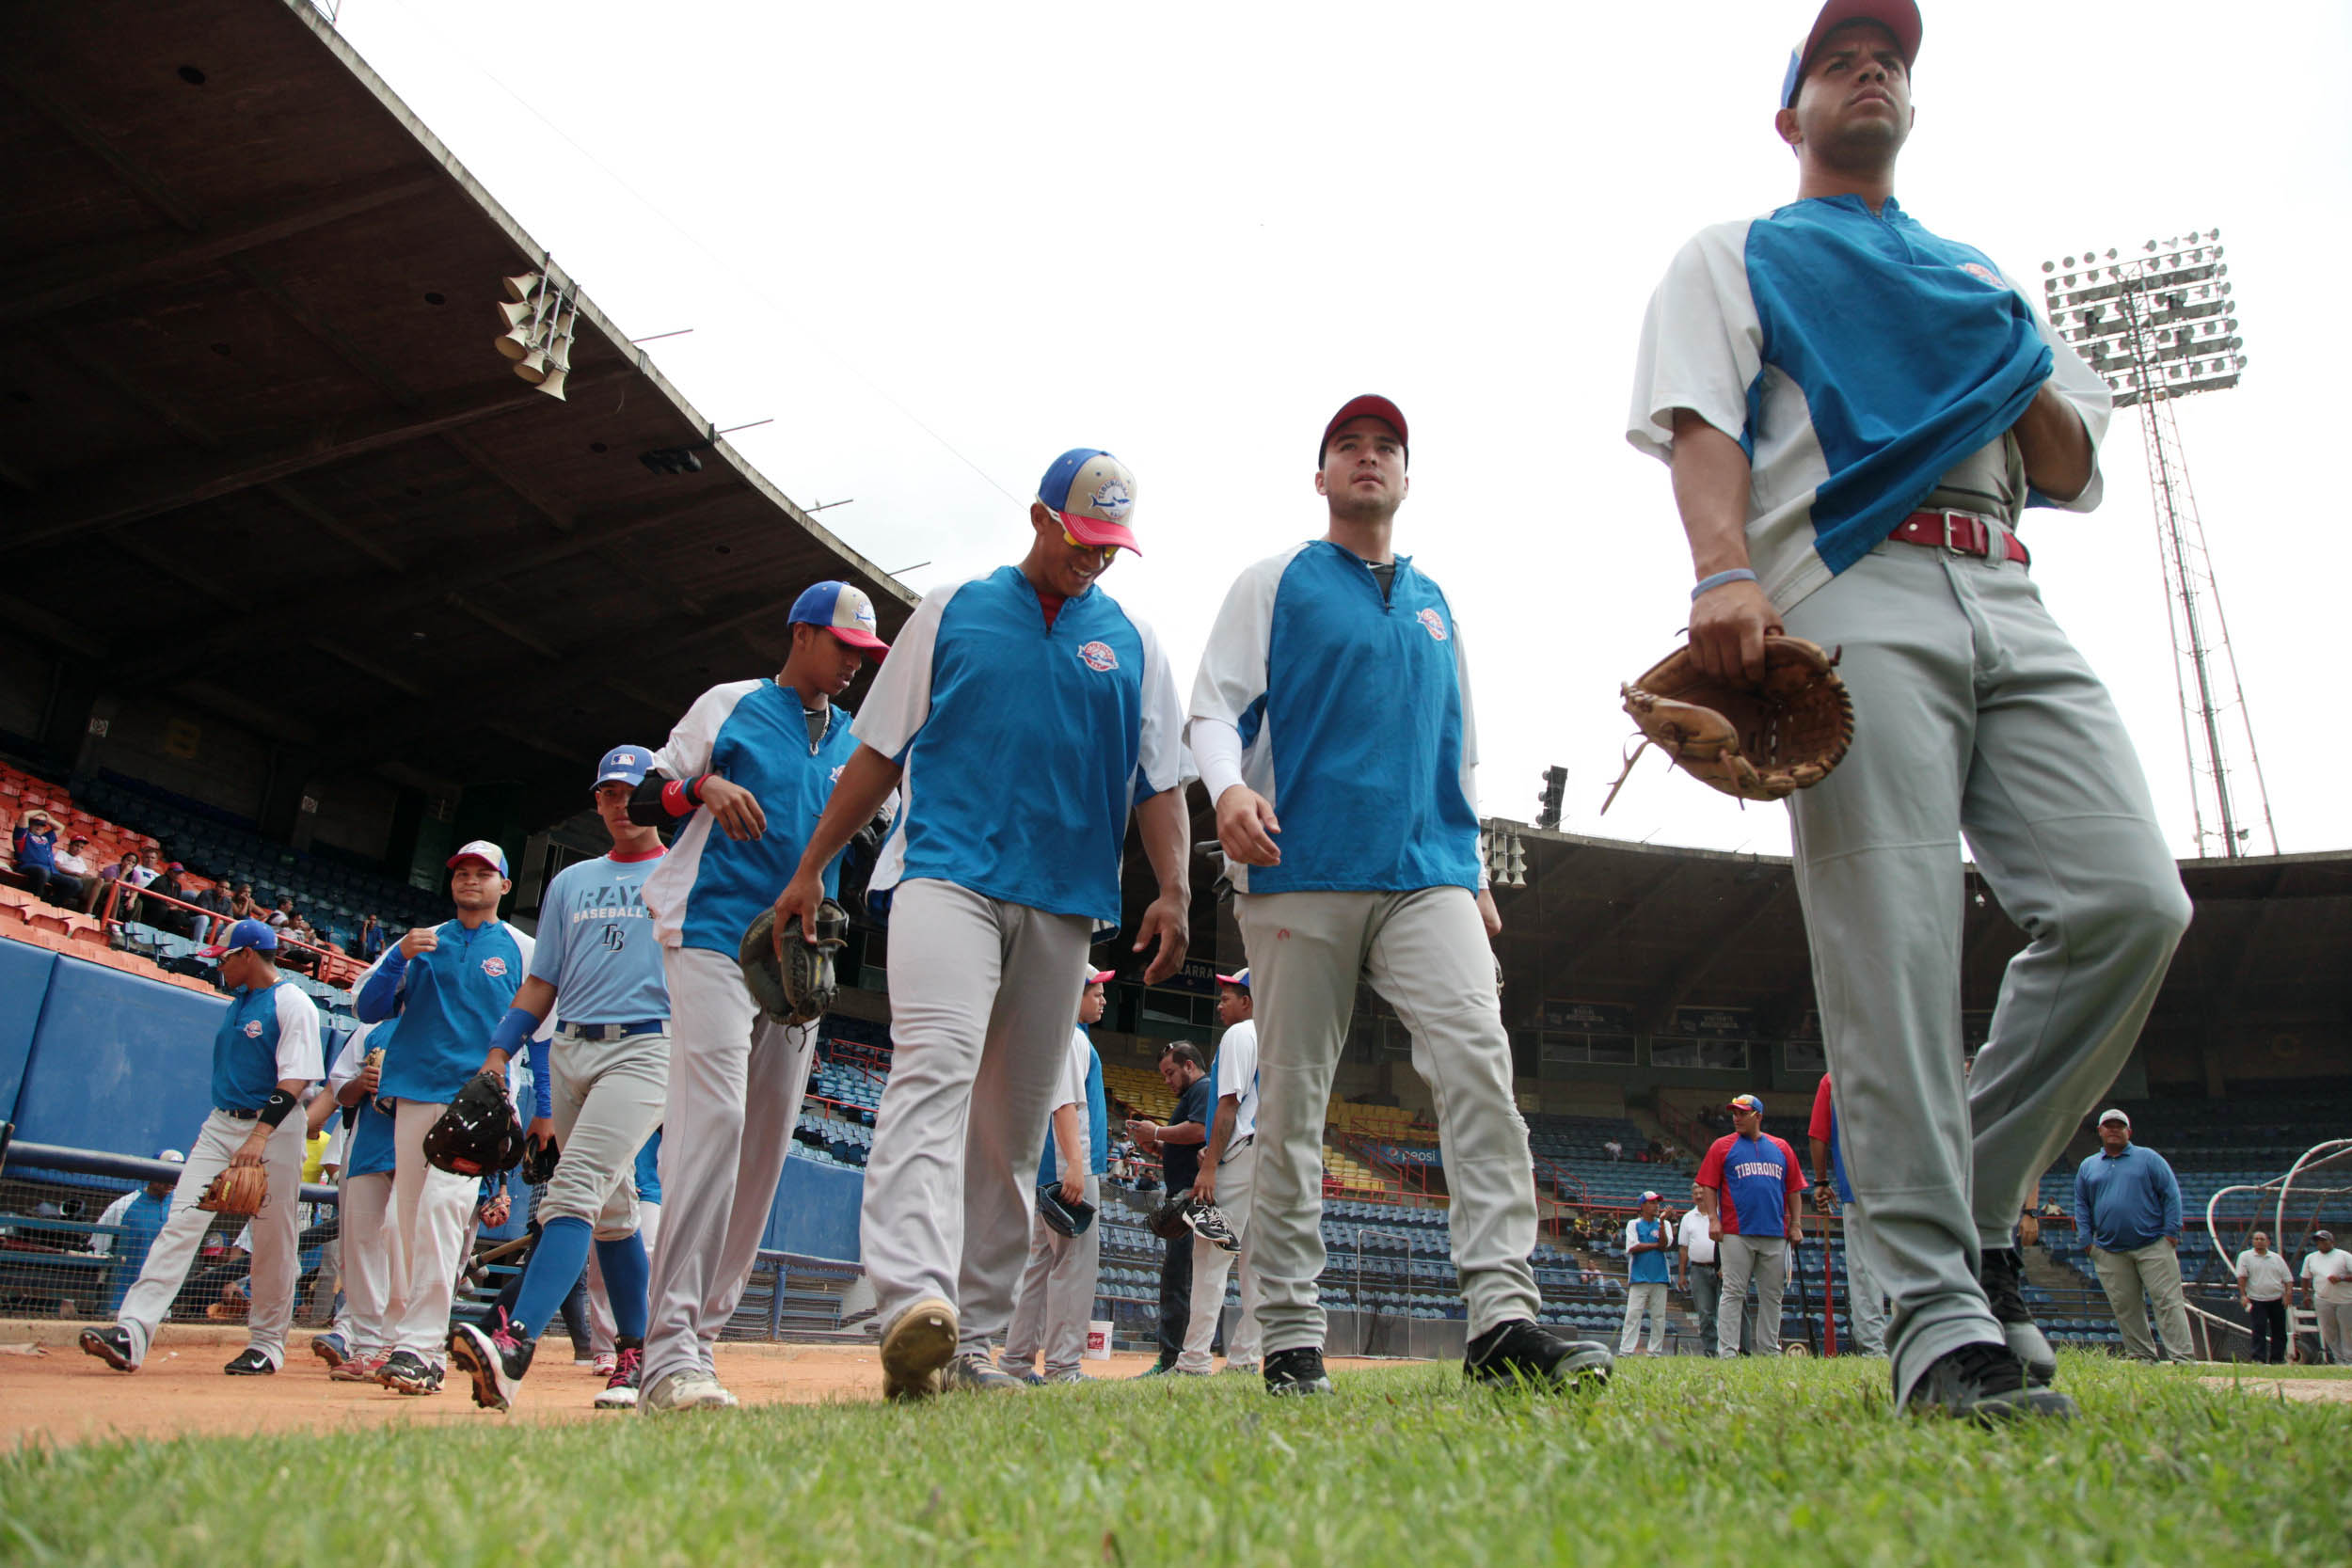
(1749, 1183)
(2329, 1273)
(1649, 1242)
(169, 917)
(214, 901)
(1178, 1145)
(128, 1228)
(1616, 1150)
(70, 863)
(372, 938)
(2127, 1204)
(282, 916)
(35, 849)
(242, 905)
(125, 873)
(2266, 1289)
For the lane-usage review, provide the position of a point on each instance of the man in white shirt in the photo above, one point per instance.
(2329, 1272)
(1227, 1179)
(1695, 1249)
(2266, 1289)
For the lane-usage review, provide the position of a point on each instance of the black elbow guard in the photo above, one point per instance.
(645, 807)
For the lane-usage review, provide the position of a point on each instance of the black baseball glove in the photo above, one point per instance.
(1063, 1217)
(539, 1158)
(1166, 1222)
(477, 1134)
(799, 987)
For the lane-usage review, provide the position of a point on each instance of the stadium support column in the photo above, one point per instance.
(74, 696)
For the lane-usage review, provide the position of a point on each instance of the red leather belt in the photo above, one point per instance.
(1961, 532)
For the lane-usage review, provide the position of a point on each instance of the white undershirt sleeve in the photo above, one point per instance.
(1217, 747)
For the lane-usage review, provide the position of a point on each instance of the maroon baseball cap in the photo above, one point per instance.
(1899, 17)
(1371, 405)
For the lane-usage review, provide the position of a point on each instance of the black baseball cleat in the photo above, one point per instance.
(406, 1372)
(495, 1361)
(1290, 1373)
(1521, 1353)
(111, 1345)
(1984, 1383)
(1999, 1272)
(978, 1374)
(250, 1362)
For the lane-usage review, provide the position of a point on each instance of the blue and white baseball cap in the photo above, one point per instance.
(625, 764)
(243, 934)
(843, 610)
(1899, 17)
(1093, 493)
(483, 850)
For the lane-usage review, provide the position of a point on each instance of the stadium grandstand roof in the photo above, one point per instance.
(250, 399)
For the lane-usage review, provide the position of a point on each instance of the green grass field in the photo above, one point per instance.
(1682, 1461)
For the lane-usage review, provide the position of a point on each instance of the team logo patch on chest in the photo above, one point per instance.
(1098, 656)
(1435, 622)
(1978, 269)
(253, 1029)
(494, 967)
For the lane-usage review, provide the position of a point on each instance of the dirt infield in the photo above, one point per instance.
(2313, 1391)
(50, 1392)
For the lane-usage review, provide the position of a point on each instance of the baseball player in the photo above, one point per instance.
(749, 766)
(1650, 1245)
(446, 987)
(1029, 714)
(1856, 412)
(1057, 1296)
(264, 1054)
(134, 1220)
(1748, 1185)
(1827, 1152)
(597, 1091)
(364, 1208)
(1370, 873)
(1228, 1167)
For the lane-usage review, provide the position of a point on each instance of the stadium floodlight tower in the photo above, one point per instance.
(2159, 326)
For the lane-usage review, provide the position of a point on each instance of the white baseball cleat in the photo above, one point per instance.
(687, 1390)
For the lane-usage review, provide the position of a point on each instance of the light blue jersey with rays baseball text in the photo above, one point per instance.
(1026, 742)
(755, 734)
(1354, 710)
(596, 946)
(442, 1005)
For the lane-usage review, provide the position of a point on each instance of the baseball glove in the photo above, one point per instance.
(477, 1134)
(796, 985)
(1167, 1222)
(1061, 1216)
(1759, 742)
(539, 1162)
(238, 1190)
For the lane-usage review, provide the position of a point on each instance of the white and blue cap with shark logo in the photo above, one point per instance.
(1093, 494)
(485, 852)
(624, 764)
(843, 610)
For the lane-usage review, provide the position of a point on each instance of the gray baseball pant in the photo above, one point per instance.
(275, 1231)
(1975, 715)
(363, 1220)
(983, 995)
(1864, 1295)
(1642, 1297)
(1426, 953)
(1707, 1292)
(2136, 1280)
(1056, 1297)
(2335, 1329)
(607, 1098)
(1764, 1259)
(734, 1087)
(432, 1231)
(1236, 1184)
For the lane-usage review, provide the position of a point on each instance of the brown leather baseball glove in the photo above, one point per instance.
(238, 1190)
(1759, 742)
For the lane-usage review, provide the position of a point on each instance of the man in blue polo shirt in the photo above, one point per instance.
(264, 1053)
(1334, 689)
(445, 988)
(1028, 715)
(599, 1089)
(746, 772)
(2127, 1204)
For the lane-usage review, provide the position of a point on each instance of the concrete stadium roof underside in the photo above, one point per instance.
(250, 404)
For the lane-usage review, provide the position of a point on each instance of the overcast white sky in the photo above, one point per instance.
(940, 243)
